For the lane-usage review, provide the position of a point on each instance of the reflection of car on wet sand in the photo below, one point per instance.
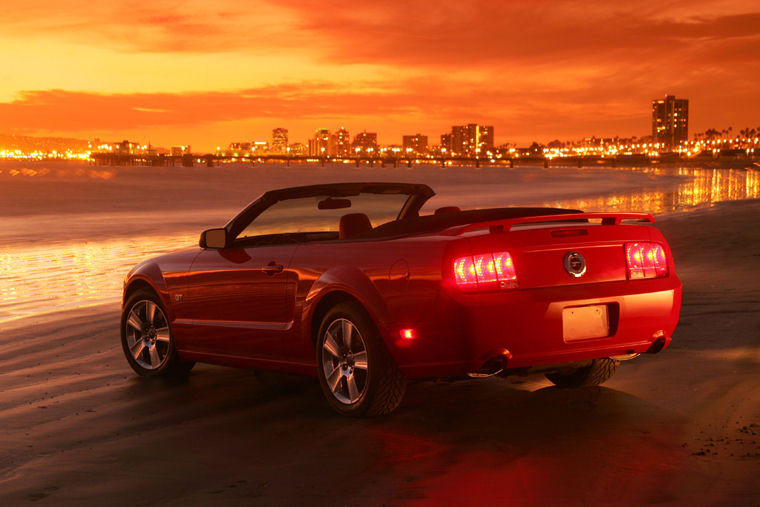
(349, 282)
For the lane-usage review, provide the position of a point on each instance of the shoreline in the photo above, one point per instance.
(531, 162)
(90, 272)
(52, 315)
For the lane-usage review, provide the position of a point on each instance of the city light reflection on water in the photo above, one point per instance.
(42, 279)
(39, 278)
(702, 188)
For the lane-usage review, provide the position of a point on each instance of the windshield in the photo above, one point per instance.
(304, 214)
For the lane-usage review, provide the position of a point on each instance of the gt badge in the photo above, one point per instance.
(575, 264)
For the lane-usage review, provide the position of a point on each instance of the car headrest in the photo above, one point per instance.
(354, 224)
(447, 209)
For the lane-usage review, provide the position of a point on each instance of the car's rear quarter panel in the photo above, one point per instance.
(397, 282)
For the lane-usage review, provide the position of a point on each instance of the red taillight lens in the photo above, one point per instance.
(485, 272)
(505, 269)
(645, 260)
(464, 272)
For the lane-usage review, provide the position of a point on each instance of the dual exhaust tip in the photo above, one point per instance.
(498, 362)
(493, 366)
(657, 345)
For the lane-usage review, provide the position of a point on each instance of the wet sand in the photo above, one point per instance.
(681, 427)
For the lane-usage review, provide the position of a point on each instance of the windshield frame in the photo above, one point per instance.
(418, 195)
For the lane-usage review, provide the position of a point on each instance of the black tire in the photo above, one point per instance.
(379, 387)
(147, 340)
(596, 373)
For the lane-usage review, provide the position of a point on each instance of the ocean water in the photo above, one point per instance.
(71, 231)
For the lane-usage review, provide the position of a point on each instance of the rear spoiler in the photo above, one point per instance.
(505, 225)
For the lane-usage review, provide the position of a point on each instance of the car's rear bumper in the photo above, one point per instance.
(526, 326)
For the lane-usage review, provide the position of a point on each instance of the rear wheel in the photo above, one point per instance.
(146, 337)
(357, 374)
(596, 373)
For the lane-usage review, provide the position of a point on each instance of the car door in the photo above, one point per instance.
(240, 300)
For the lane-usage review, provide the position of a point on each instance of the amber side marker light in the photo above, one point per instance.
(483, 272)
(645, 260)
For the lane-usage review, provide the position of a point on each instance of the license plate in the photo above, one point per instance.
(585, 322)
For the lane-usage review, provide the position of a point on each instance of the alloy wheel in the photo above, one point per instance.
(147, 333)
(344, 361)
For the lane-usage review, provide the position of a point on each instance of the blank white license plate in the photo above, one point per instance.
(585, 322)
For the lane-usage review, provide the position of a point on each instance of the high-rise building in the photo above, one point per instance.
(416, 144)
(299, 149)
(365, 143)
(459, 141)
(280, 140)
(670, 120)
(485, 139)
(319, 145)
(471, 140)
(342, 143)
(445, 144)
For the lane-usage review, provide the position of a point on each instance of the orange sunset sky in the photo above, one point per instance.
(209, 72)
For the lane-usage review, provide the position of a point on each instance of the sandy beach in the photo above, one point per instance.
(679, 428)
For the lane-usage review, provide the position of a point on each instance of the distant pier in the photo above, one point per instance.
(211, 160)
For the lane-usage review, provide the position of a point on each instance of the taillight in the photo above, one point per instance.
(645, 260)
(485, 272)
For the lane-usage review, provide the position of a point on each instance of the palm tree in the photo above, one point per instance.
(712, 133)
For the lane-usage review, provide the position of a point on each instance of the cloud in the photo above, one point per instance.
(69, 110)
(400, 104)
(401, 32)
(159, 26)
(537, 68)
(484, 33)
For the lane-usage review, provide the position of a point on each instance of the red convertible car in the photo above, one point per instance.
(351, 283)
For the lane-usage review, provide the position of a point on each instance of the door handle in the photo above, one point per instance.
(272, 268)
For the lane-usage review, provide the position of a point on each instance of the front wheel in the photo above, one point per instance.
(357, 374)
(146, 337)
(592, 375)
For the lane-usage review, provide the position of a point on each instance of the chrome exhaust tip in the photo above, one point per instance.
(492, 367)
(625, 357)
(656, 345)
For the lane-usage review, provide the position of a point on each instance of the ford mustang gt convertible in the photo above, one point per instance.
(351, 283)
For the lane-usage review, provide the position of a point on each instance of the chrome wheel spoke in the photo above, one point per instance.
(347, 328)
(155, 359)
(134, 320)
(137, 348)
(333, 380)
(330, 345)
(150, 312)
(360, 360)
(162, 335)
(353, 390)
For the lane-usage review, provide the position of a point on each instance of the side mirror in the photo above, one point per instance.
(214, 238)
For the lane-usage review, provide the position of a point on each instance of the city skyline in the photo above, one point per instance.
(199, 73)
